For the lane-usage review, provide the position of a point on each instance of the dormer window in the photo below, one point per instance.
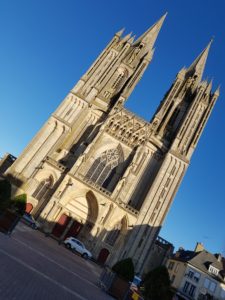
(213, 270)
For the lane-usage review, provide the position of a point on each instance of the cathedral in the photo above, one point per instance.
(100, 173)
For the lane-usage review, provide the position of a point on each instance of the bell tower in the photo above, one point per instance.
(175, 129)
(110, 79)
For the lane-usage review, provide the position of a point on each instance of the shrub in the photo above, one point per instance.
(124, 269)
(19, 204)
(157, 285)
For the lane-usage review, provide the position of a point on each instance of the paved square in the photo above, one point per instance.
(33, 266)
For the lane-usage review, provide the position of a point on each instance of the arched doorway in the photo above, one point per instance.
(103, 255)
(61, 225)
(29, 207)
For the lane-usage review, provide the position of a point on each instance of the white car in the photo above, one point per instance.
(78, 246)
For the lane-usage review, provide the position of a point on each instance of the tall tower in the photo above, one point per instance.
(174, 133)
(97, 171)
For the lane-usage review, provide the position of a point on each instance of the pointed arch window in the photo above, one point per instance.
(113, 234)
(104, 165)
(43, 188)
(120, 77)
(119, 228)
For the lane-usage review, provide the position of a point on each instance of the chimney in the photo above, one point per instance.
(178, 252)
(199, 247)
(218, 257)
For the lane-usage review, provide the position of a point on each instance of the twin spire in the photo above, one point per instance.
(149, 37)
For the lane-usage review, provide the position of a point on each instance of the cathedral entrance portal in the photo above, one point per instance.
(103, 255)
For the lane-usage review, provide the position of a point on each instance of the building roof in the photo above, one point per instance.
(202, 260)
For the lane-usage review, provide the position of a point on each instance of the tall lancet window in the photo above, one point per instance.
(104, 166)
(43, 188)
(120, 76)
(119, 229)
(113, 234)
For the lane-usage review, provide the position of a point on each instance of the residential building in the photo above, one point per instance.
(198, 274)
(99, 172)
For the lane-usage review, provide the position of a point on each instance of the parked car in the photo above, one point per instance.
(29, 220)
(135, 284)
(76, 245)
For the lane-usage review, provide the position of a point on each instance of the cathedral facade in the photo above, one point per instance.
(99, 172)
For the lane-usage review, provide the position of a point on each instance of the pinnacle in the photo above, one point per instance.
(127, 37)
(198, 66)
(150, 36)
(217, 91)
(119, 33)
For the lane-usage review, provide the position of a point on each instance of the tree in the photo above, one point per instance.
(124, 269)
(157, 285)
(18, 204)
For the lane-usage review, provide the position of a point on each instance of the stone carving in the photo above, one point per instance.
(128, 128)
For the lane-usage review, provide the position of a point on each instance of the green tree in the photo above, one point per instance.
(18, 204)
(157, 285)
(124, 269)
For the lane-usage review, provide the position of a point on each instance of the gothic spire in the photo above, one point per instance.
(149, 37)
(198, 66)
(119, 33)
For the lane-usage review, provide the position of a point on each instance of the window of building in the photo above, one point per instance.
(171, 265)
(176, 268)
(197, 276)
(43, 188)
(104, 165)
(213, 270)
(186, 286)
(206, 283)
(190, 274)
(121, 75)
(113, 234)
(192, 290)
(152, 216)
(212, 287)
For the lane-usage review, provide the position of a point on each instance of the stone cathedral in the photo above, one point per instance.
(99, 172)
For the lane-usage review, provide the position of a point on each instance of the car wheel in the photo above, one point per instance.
(68, 246)
(85, 256)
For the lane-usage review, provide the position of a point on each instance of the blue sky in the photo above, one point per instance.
(47, 45)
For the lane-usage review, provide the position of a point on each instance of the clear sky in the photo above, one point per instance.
(46, 46)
